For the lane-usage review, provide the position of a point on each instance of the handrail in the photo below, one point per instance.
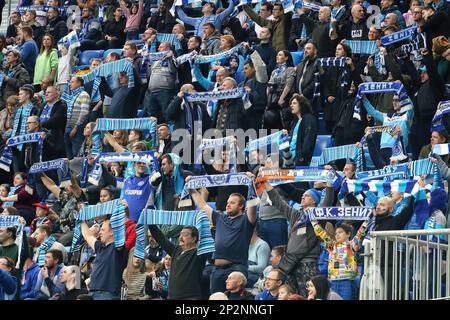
(403, 233)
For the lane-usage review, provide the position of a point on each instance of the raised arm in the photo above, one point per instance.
(183, 17)
(379, 116)
(124, 8)
(205, 83)
(255, 17)
(227, 11)
(50, 185)
(113, 143)
(323, 235)
(165, 244)
(88, 235)
(202, 205)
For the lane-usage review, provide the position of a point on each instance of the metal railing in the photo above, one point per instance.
(406, 265)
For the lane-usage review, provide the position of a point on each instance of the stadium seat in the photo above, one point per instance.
(119, 51)
(297, 57)
(86, 56)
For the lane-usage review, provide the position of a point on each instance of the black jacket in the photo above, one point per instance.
(258, 98)
(162, 23)
(437, 25)
(306, 139)
(178, 116)
(116, 29)
(389, 222)
(235, 116)
(268, 55)
(57, 28)
(309, 79)
(350, 30)
(320, 36)
(56, 125)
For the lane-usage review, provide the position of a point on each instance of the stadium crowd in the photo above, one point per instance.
(101, 197)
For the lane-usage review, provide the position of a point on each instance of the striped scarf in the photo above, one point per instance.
(220, 180)
(380, 186)
(21, 116)
(14, 221)
(362, 46)
(397, 150)
(9, 203)
(402, 35)
(442, 109)
(299, 174)
(381, 87)
(342, 152)
(147, 157)
(23, 9)
(43, 248)
(219, 95)
(217, 145)
(417, 43)
(10, 74)
(105, 70)
(216, 57)
(107, 124)
(178, 181)
(167, 37)
(441, 149)
(307, 5)
(332, 62)
(70, 41)
(60, 165)
(197, 219)
(340, 213)
(277, 138)
(114, 208)
(7, 156)
(407, 170)
(70, 98)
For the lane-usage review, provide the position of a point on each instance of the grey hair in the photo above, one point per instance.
(232, 80)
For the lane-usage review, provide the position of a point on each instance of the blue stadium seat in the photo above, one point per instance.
(86, 56)
(322, 142)
(297, 57)
(119, 51)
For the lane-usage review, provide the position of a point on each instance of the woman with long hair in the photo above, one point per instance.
(135, 277)
(46, 62)
(134, 17)
(303, 132)
(319, 289)
(279, 90)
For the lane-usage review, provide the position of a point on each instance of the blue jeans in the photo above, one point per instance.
(274, 231)
(343, 287)
(104, 295)
(220, 275)
(73, 145)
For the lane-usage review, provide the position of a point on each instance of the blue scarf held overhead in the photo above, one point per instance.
(443, 108)
(7, 156)
(348, 151)
(277, 138)
(114, 208)
(60, 165)
(14, 221)
(220, 180)
(216, 57)
(402, 35)
(198, 219)
(217, 145)
(340, 213)
(384, 187)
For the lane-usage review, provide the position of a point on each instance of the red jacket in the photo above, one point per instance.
(130, 234)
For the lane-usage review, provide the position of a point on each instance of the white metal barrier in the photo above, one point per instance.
(406, 265)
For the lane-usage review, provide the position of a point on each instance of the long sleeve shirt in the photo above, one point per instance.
(133, 20)
(342, 263)
(80, 110)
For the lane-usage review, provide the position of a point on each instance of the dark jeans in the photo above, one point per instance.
(108, 44)
(104, 295)
(17, 162)
(133, 35)
(73, 145)
(274, 231)
(344, 288)
(88, 45)
(220, 275)
(156, 103)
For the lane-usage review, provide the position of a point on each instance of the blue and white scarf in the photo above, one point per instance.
(277, 138)
(389, 172)
(43, 248)
(70, 97)
(105, 70)
(107, 124)
(60, 165)
(147, 157)
(70, 41)
(300, 174)
(217, 145)
(114, 208)
(12, 191)
(442, 109)
(167, 37)
(381, 87)
(14, 221)
(11, 73)
(348, 151)
(21, 116)
(366, 47)
(307, 5)
(220, 180)
(340, 213)
(417, 43)
(332, 62)
(7, 156)
(402, 35)
(219, 95)
(216, 57)
(441, 149)
(198, 219)
(23, 9)
(384, 187)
